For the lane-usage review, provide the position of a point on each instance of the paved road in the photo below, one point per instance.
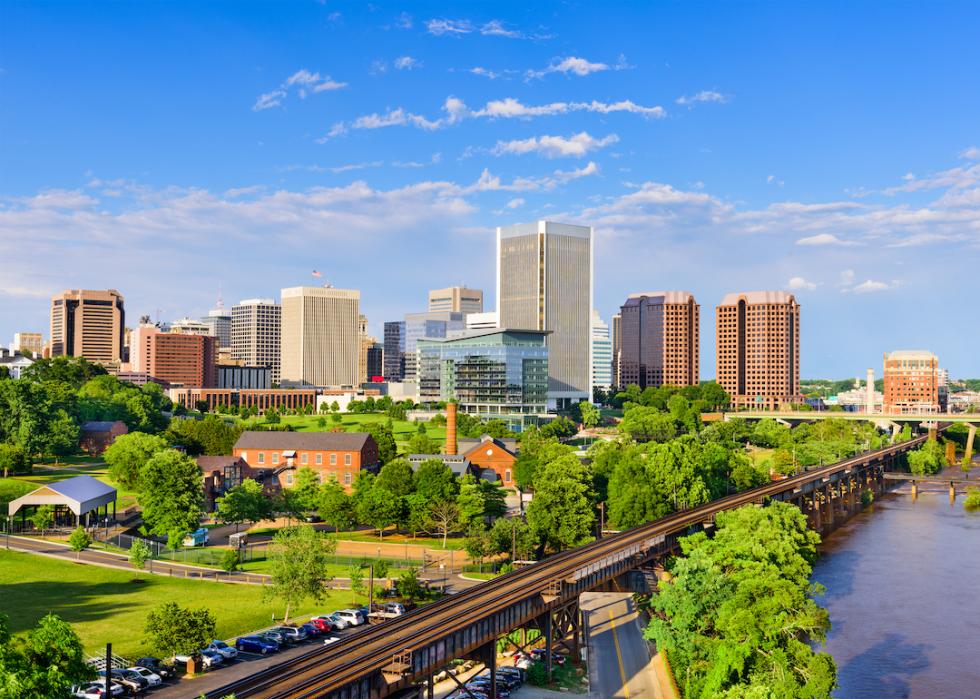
(619, 657)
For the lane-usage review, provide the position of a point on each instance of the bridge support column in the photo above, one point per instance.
(952, 493)
(968, 454)
(828, 495)
(490, 660)
(815, 500)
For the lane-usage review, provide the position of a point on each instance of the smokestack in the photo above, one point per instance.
(869, 402)
(451, 447)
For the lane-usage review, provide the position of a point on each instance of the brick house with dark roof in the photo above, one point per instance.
(221, 474)
(341, 455)
(490, 454)
(98, 436)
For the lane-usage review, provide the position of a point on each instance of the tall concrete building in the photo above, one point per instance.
(179, 358)
(601, 353)
(28, 344)
(912, 382)
(617, 342)
(88, 323)
(758, 348)
(367, 344)
(456, 298)
(218, 322)
(256, 326)
(394, 350)
(320, 336)
(659, 339)
(544, 282)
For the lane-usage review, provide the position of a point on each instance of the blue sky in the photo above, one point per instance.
(168, 149)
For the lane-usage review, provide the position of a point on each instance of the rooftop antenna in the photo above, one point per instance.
(220, 303)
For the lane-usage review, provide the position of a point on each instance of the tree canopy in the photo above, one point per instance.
(44, 664)
(299, 558)
(171, 494)
(127, 454)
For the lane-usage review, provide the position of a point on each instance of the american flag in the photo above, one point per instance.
(316, 274)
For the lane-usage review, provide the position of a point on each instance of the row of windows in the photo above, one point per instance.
(348, 478)
(303, 458)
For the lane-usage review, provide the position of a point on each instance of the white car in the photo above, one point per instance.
(96, 690)
(351, 616)
(151, 677)
(222, 649)
(339, 622)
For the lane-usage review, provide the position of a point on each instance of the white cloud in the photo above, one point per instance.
(570, 65)
(575, 146)
(304, 81)
(515, 203)
(703, 96)
(800, 284)
(971, 153)
(847, 277)
(870, 286)
(496, 28)
(823, 239)
(460, 27)
(404, 21)
(355, 166)
(442, 27)
(407, 63)
(485, 72)
(493, 183)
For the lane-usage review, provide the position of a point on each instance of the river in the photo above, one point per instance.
(903, 591)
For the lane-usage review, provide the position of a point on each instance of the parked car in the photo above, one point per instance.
(211, 659)
(322, 623)
(223, 649)
(152, 678)
(292, 633)
(539, 655)
(339, 622)
(351, 616)
(255, 644)
(165, 670)
(273, 638)
(96, 690)
(311, 630)
(133, 683)
(196, 538)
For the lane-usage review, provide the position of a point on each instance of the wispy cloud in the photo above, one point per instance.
(303, 81)
(355, 166)
(800, 284)
(576, 146)
(509, 108)
(406, 63)
(701, 97)
(515, 203)
(461, 27)
(572, 65)
(823, 239)
(870, 286)
(971, 153)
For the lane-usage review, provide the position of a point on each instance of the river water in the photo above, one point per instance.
(903, 591)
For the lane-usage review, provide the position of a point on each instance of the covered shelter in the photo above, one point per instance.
(71, 499)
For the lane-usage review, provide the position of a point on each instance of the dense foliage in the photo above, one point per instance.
(299, 557)
(927, 459)
(173, 630)
(45, 664)
(736, 616)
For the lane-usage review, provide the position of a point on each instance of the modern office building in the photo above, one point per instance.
(493, 374)
(249, 377)
(456, 298)
(320, 336)
(394, 350)
(218, 322)
(28, 344)
(911, 382)
(256, 326)
(617, 343)
(433, 324)
(88, 323)
(658, 339)
(482, 321)
(189, 326)
(544, 282)
(601, 353)
(375, 361)
(180, 359)
(758, 348)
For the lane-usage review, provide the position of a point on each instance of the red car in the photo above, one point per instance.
(321, 624)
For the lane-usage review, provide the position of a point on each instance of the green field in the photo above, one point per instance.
(104, 605)
(352, 422)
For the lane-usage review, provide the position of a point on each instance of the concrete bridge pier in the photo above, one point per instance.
(952, 493)
(968, 454)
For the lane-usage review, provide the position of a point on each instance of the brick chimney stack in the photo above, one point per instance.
(451, 447)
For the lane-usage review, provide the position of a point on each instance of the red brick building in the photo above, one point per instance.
(911, 382)
(341, 455)
(497, 455)
(177, 358)
(96, 437)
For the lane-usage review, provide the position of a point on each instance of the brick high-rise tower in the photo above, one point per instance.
(659, 339)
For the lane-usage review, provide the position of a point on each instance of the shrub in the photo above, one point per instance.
(230, 561)
(972, 501)
(867, 497)
(537, 674)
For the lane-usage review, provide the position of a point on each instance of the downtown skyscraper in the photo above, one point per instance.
(544, 282)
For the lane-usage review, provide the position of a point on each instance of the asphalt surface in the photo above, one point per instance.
(619, 658)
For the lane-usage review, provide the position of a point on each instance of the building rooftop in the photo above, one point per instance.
(308, 441)
(757, 297)
(99, 425)
(668, 296)
(911, 354)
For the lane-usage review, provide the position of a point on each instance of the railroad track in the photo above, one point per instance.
(371, 648)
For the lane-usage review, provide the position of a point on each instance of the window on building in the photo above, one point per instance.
(347, 478)
(304, 459)
(289, 478)
(347, 460)
(261, 457)
(275, 458)
(319, 459)
(507, 476)
(333, 459)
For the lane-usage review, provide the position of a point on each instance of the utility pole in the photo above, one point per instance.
(108, 668)
(371, 588)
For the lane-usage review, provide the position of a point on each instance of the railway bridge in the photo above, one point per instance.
(395, 657)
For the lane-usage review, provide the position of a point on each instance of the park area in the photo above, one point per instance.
(107, 605)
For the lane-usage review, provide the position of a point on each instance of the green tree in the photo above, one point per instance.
(171, 493)
(355, 573)
(435, 481)
(927, 459)
(139, 554)
(378, 507)
(421, 443)
(246, 502)
(335, 407)
(383, 437)
(299, 557)
(14, 460)
(62, 436)
(396, 477)
(561, 514)
(79, 541)
(445, 518)
(43, 518)
(74, 371)
(271, 416)
(307, 489)
(479, 500)
(336, 507)
(45, 664)
(591, 417)
(127, 454)
(175, 630)
(513, 536)
(410, 587)
(648, 425)
(230, 560)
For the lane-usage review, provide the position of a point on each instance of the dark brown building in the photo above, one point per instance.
(96, 436)
(657, 339)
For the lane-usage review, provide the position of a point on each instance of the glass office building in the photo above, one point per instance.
(494, 374)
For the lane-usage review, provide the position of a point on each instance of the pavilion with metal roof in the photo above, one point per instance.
(76, 496)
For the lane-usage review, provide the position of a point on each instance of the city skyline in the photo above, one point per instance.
(673, 142)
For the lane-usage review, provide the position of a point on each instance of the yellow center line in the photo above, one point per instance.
(619, 654)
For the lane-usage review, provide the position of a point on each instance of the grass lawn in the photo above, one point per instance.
(13, 488)
(759, 454)
(79, 466)
(432, 542)
(104, 605)
(353, 422)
